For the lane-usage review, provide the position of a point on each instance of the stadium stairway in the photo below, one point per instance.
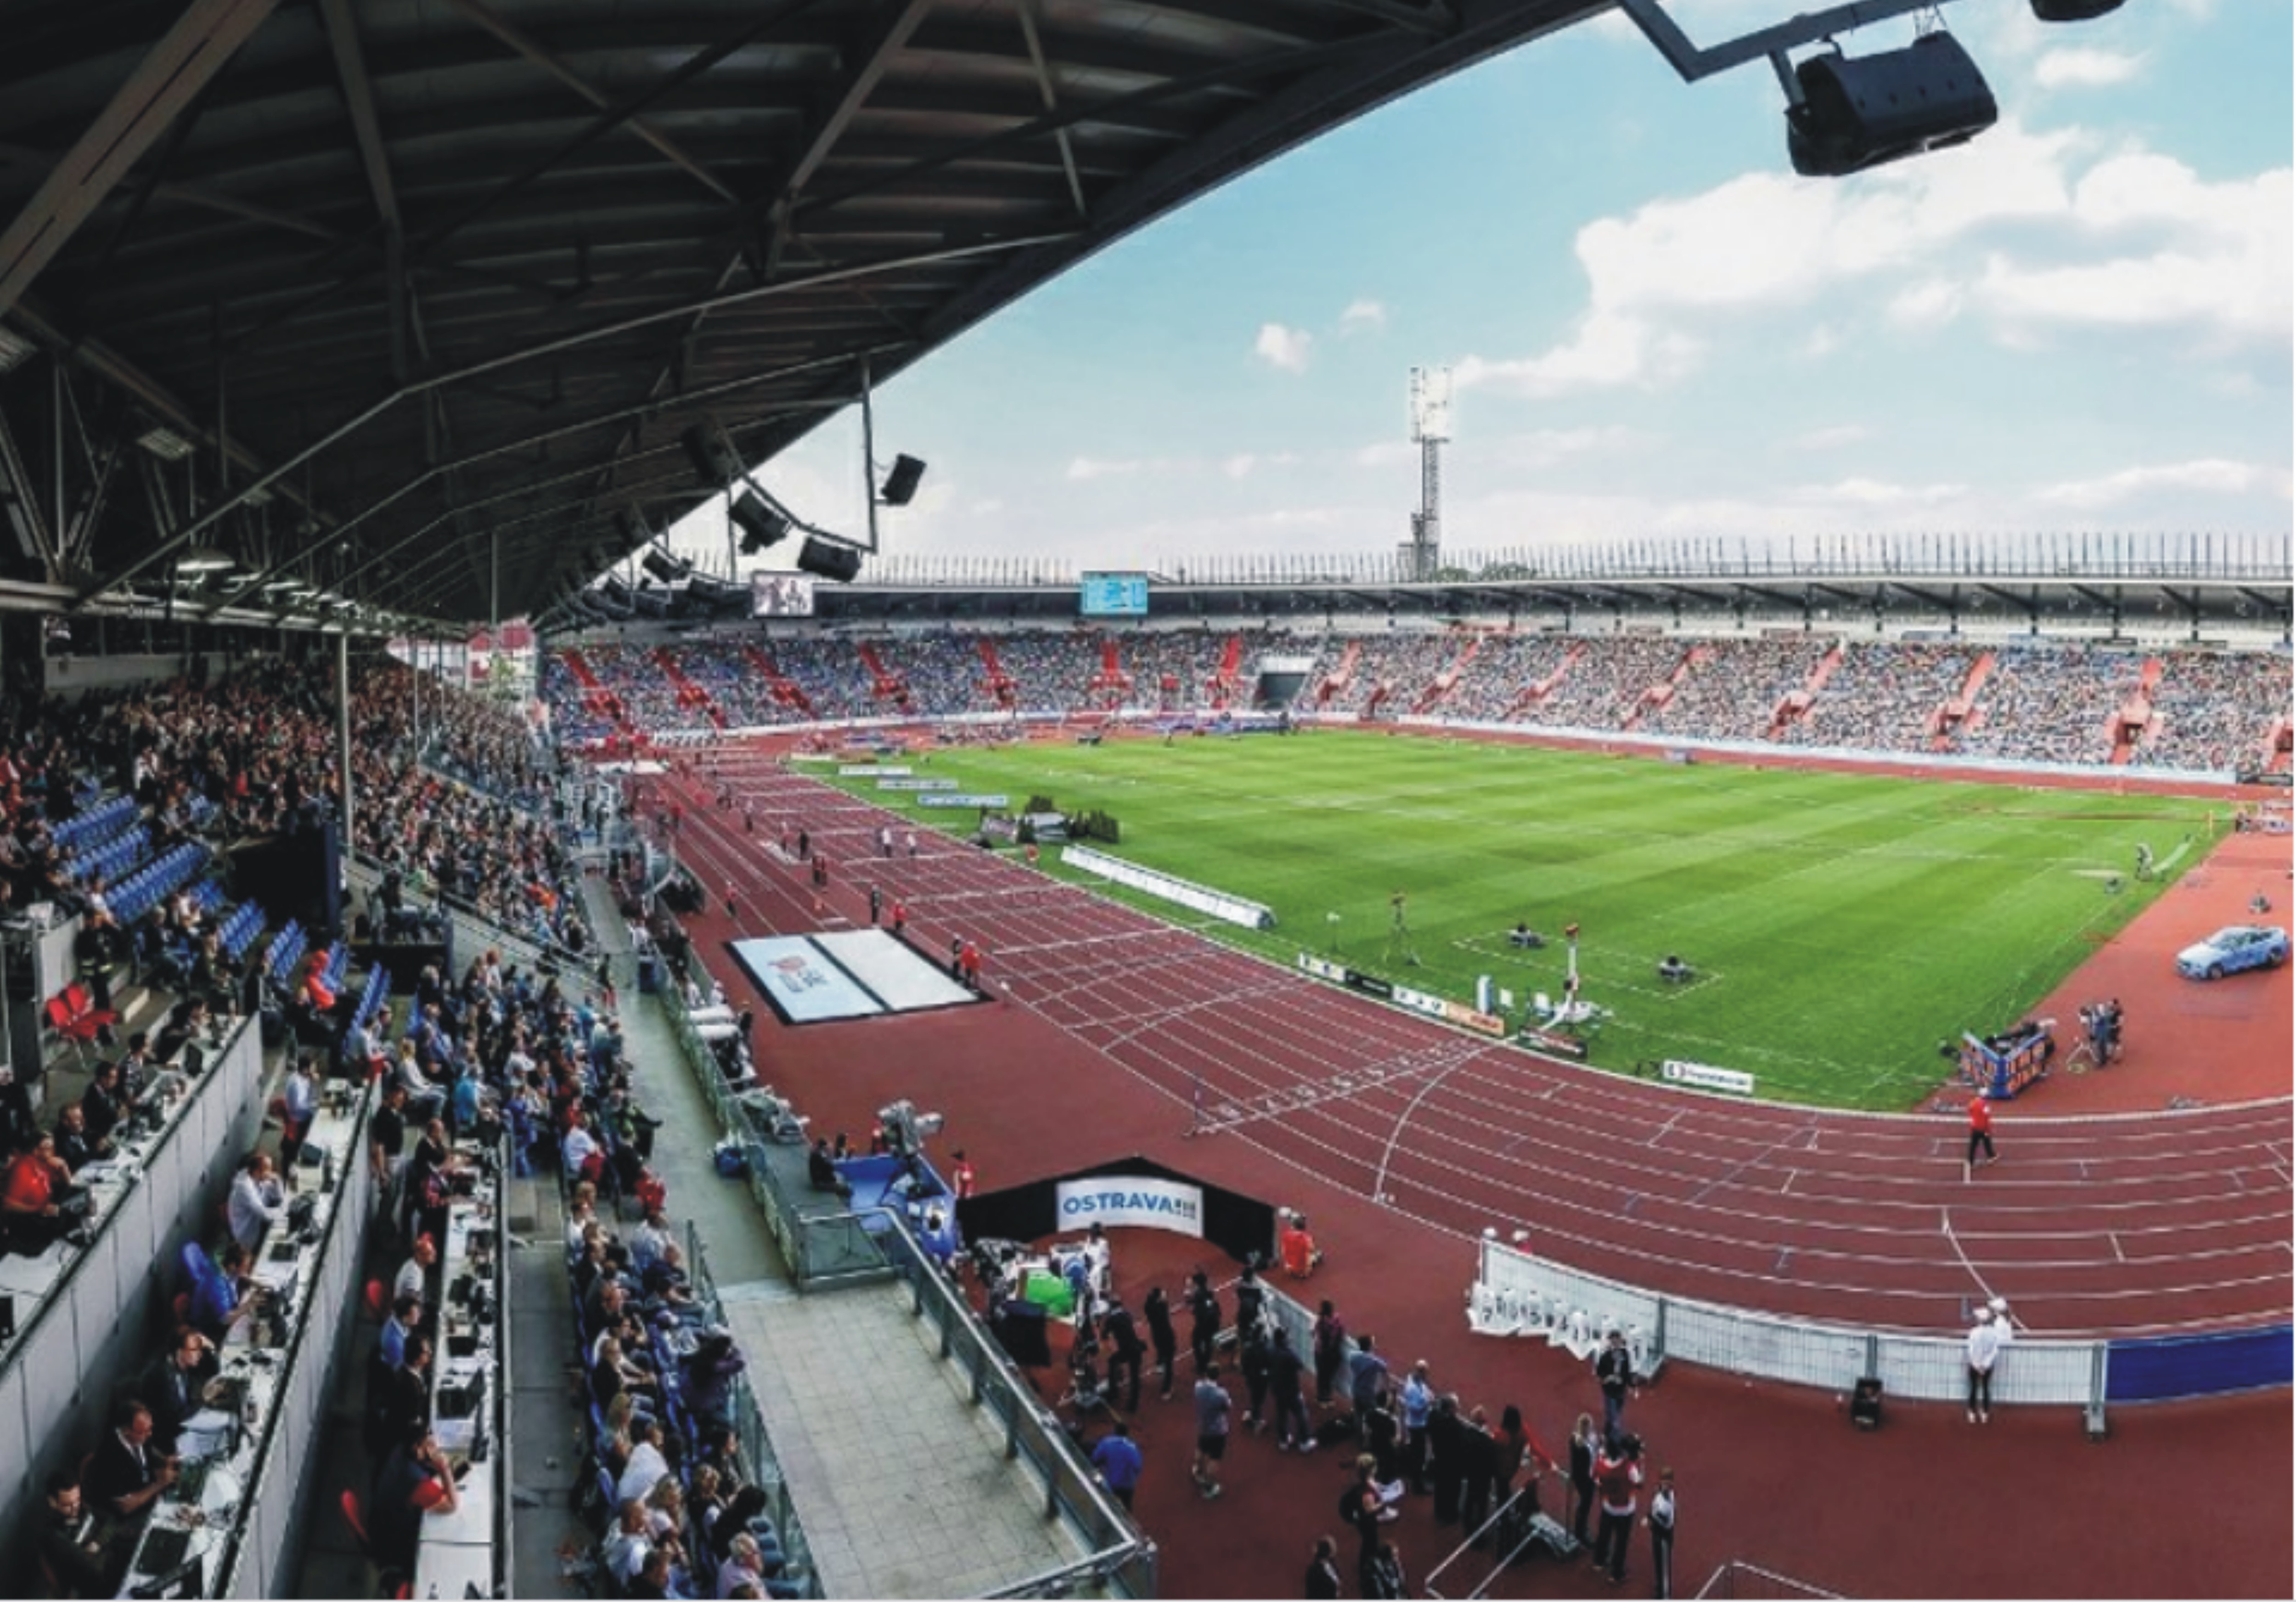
(784, 690)
(901, 1485)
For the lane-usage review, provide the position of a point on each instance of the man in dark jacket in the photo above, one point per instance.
(172, 1386)
(1446, 1457)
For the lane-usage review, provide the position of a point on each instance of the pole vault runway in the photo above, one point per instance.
(2106, 1225)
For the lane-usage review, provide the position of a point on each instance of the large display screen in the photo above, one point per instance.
(780, 596)
(1114, 595)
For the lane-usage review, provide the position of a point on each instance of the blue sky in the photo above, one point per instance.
(2081, 321)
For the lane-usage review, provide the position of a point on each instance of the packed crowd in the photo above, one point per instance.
(1735, 690)
(1604, 687)
(1503, 675)
(1884, 696)
(2049, 705)
(2045, 703)
(2215, 709)
(1390, 674)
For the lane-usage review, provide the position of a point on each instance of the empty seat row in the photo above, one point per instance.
(143, 889)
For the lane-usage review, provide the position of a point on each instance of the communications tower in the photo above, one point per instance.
(1430, 426)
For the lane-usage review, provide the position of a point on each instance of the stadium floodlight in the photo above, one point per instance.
(1846, 114)
(830, 559)
(761, 525)
(901, 483)
(1853, 113)
(15, 350)
(714, 461)
(166, 444)
(203, 559)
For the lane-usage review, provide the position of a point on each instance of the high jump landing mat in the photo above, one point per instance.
(848, 974)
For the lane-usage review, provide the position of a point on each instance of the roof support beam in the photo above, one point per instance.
(1051, 101)
(533, 50)
(529, 442)
(551, 347)
(877, 55)
(175, 71)
(20, 499)
(359, 98)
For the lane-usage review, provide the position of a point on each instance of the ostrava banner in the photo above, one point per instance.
(1131, 1199)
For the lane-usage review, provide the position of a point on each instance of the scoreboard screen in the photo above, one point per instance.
(1114, 595)
(780, 596)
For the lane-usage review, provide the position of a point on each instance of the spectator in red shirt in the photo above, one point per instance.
(1617, 1473)
(33, 1200)
(414, 1481)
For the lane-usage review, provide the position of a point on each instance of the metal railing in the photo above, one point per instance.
(366, 871)
(2035, 556)
(1516, 1293)
(851, 1246)
(762, 1465)
(1740, 1581)
(1118, 1559)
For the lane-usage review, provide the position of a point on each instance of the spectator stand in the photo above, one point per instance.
(82, 1313)
(263, 1429)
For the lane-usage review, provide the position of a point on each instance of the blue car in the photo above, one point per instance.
(2230, 951)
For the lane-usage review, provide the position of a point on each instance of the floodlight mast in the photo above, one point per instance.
(1431, 427)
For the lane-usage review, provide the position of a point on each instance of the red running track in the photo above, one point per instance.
(2137, 1223)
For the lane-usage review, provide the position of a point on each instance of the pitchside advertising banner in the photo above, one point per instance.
(909, 783)
(1130, 1199)
(1707, 1077)
(951, 798)
(870, 770)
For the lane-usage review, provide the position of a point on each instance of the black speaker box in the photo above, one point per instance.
(824, 559)
(1862, 112)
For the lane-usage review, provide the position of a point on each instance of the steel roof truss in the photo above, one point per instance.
(163, 83)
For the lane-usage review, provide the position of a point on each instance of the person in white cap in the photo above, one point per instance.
(1982, 1351)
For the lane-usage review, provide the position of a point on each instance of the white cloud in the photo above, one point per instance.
(2031, 230)
(1832, 439)
(1607, 350)
(1284, 348)
(1869, 494)
(1387, 453)
(1361, 316)
(1541, 449)
(2210, 258)
(1083, 470)
(2083, 67)
(1930, 304)
(2208, 475)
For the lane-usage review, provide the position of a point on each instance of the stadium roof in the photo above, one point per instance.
(406, 302)
(1836, 598)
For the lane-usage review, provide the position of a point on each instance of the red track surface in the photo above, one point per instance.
(2089, 1225)
(1106, 1019)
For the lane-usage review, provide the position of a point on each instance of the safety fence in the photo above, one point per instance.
(1516, 1293)
(841, 1247)
(762, 1465)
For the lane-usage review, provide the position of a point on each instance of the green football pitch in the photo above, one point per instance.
(1839, 926)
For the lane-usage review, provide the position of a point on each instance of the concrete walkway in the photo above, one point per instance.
(901, 1484)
